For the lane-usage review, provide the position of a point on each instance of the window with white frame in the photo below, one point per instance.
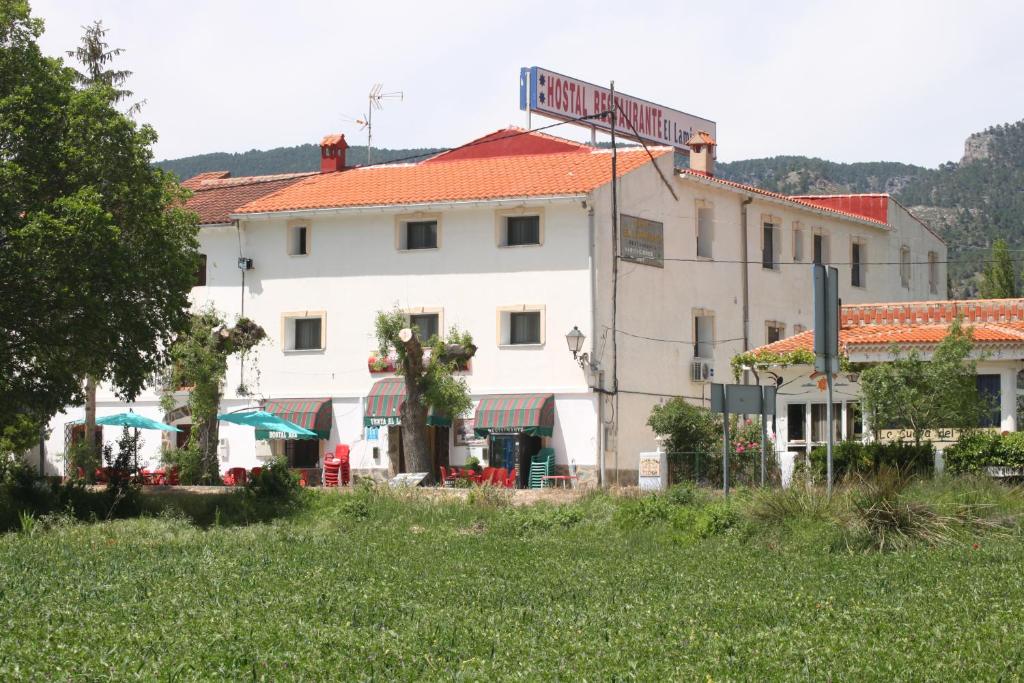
(798, 242)
(705, 230)
(858, 271)
(298, 240)
(933, 272)
(428, 325)
(521, 230)
(704, 335)
(303, 331)
(820, 245)
(905, 266)
(415, 233)
(521, 326)
(769, 246)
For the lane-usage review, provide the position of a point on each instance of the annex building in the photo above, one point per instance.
(512, 238)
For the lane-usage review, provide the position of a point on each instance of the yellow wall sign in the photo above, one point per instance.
(939, 437)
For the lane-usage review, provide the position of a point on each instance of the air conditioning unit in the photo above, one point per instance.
(701, 371)
(223, 449)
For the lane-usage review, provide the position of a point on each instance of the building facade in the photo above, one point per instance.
(511, 237)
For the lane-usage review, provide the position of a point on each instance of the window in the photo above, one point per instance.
(524, 328)
(298, 240)
(303, 331)
(905, 266)
(854, 421)
(989, 391)
(933, 272)
(774, 331)
(857, 265)
(819, 422)
(820, 247)
(705, 228)
(522, 230)
(200, 280)
(417, 234)
(703, 336)
(798, 242)
(768, 247)
(428, 324)
(795, 426)
(521, 325)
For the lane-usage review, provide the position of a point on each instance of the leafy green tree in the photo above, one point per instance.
(687, 428)
(916, 394)
(199, 360)
(97, 255)
(430, 380)
(999, 279)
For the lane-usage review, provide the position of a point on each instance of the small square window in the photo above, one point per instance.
(307, 333)
(426, 324)
(524, 328)
(774, 332)
(522, 230)
(298, 240)
(420, 235)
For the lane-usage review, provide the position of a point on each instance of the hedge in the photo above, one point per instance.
(977, 450)
(860, 458)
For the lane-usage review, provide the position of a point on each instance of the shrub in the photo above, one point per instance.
(853, 457)
(977, 450)
(188, 460)
(275, 481)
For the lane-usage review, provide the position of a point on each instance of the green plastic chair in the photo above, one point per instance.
(541, 465)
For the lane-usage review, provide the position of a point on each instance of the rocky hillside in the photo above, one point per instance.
(970, 202)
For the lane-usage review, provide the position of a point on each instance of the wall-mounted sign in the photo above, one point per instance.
(391, 421)
(653, 472)
(939, 437)
(561, 97)
(642, 241)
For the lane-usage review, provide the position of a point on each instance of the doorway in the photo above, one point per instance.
(514, 451)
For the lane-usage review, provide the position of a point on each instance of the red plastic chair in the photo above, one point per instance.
(255, 472)
(342, 454)
(510, 480)
(499, 476)
(172, 477)
(235, 477)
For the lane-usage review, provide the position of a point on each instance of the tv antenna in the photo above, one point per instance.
(376, 99)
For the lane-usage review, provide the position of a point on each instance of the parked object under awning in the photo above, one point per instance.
(532, 414)
(315, 414)
(384, 405)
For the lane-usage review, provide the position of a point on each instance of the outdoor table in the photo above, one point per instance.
(564, 478)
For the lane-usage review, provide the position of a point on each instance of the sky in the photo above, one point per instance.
(863, 80)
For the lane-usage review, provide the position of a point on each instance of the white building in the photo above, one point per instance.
(510, 237)
(868, 333)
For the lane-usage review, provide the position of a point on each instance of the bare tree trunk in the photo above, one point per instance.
(90, 424)
(414, 410)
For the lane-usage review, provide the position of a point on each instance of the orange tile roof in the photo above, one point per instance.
(701, 138)
(501, 173)
(511, 141)
(215, 195)
(925, 323)
(802, 201)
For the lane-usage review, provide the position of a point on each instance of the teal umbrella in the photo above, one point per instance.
(261, 419)
(135, 420)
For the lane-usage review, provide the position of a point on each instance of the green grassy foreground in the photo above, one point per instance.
(371, 586)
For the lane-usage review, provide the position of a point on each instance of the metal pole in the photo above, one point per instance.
(725, 454)
(764, 440)
(828, 418)
(615, 287)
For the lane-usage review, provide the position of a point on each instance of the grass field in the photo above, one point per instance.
(378, 587)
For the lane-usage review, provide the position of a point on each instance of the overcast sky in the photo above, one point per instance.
(848, 81)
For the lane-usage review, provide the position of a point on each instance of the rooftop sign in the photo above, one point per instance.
(562, 97)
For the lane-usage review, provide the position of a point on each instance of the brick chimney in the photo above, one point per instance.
(702, 158)
(332, 153)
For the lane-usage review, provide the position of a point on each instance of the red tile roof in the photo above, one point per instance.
(215, 195)
(511, 141)
(873, 206)
(502, 172)
(802, 201)
(701, 138)
(917, 323)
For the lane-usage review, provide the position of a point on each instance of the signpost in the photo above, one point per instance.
(561, 97)
(826, 343)
(742, 399)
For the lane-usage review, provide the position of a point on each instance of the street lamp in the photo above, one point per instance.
(575, 340)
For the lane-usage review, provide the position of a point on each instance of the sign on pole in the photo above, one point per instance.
(561, 97)
(742, 399)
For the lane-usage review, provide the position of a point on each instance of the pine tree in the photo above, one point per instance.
(94, 54)
(999, 280)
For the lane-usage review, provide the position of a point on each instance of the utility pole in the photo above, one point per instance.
(615, 283)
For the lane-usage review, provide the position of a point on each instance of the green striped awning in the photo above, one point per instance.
(532, 414)
(384, 402)
(312, 413)
(384, 405)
